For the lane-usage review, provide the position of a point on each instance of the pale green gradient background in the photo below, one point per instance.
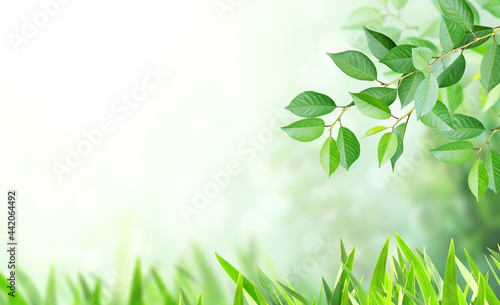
(229, 80)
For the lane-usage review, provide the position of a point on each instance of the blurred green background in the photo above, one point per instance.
(212, 128)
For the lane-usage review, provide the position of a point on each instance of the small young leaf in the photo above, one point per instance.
(311, 104)
(378, 43)
(453, 74)
(478, 179)
(330, 156)
(421, 58)
(365, 16)
(493, 167)
(490, 68)
(399, 131)
(399, 59)
(451, 33)
(466, 127)
(387, 147)
(455, 152)
(458, 11)
(370, 106)
(374, 130)
(348, 146)
(385, 95)
(305, 130)
(408, 88)
(355, 64)
(426, 95)
(438, 118)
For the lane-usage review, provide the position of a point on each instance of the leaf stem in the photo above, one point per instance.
(340, 117)
(488, 141)
(464, 46)
(404, 116)
(401, 78)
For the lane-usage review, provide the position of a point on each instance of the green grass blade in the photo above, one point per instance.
(233, 274)
(269, 288)
(361, 293)
(337, 291)
(481, 294)
(238, 294)
(287, 298)
(135, 297)
(436, 280)
(184, 298)
(450, 279)
(409, 286)
(423, 278)
(293, 293)
(87, 292)
(473, 266)
(492, 269)
(18, 299)
(96, 294)
(51, 293)
(411, 296)
(345, 294)
(200, 302)
(28, 288)
(379, 274)
(260, 296)
(169, 299)
(469, 279)
(328, 292)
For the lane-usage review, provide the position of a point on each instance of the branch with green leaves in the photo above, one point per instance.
(429, 76)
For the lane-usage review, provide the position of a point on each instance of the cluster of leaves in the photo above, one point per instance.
(427, 81)
(413, 279)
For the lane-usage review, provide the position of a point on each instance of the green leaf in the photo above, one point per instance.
(454, 152)
(370, 106)
(330, 156)
(311, 104)
(387, 147)
(374, 130)
(420, 42)
(421, 58)
(478, 179)
(453, 74)
(479, 31)
(399, 4)
(234, 275)
(385, 95)
(438, 118)
(379, 274)
(348, 146)
(399, 59)
(458, 11)
(493, 167)
(136, 289)
(399, 131)
(490, 68)
(378, 43)
(466, 127)
(450, 296)
(370, 17)
(408, 88)
(451, 34)
(238, 294)
(184, 298)
(355, 64)
(305, 130)
(453, 96)
(293, 293)
(492, 6)
(426, 95)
